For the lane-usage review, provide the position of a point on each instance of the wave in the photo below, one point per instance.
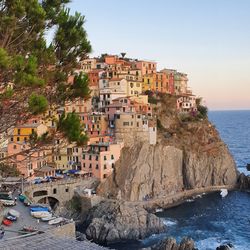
(170, 222)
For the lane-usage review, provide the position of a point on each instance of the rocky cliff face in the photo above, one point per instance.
(113, 221)
(187, 156)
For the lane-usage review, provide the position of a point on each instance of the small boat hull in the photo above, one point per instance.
(11, 218)
(56, 221)
(13, 212)
(7, 222)
(40, 214)
(46, 219)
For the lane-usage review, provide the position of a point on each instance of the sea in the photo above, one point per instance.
(210, 219)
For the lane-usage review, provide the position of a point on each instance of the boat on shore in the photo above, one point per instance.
(56, 221)
(40, 214)
(7, 222)
(14, 213)
(49, 218)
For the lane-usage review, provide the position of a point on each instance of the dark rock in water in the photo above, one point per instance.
(225, 247)
(248, 166)
(244, 182)
(170, 244)
(113, 221)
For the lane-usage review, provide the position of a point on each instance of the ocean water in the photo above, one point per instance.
(212, 220)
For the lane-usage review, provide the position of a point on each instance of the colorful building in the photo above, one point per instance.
(99, 159)
(23, 132)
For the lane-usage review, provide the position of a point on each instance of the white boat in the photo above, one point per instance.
(48, 218)
(40, 214)
(13, 212)
(223, 192)
(158, 210)
(56, 221)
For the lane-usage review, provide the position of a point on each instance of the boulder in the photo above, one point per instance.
(113, 221)
(243, 182)
(248, 166)
(225, 247)
(170, 244)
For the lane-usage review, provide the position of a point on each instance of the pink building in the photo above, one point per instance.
(146, 67)
(26, 159)
(99, 159)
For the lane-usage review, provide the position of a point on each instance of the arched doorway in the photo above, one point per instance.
(52, 201)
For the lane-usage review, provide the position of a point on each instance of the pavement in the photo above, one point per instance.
(25, 219)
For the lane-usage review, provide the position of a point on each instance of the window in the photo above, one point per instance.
(131, 124)
(96, 167)
(90, 158)
(59, 157)
(32, 131)
(18, 139)
(96, 158)
(105, 157)
(112, 157)
(66, 190)
(104, 176)
(84, 165)
(54, 191)
(125, 123)
(105, 166)
(90, 165)
(14, 146)
(19, 131)
(11, 139)
(83, 157)
(113, 165)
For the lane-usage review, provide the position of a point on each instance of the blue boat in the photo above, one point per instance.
(37, 209)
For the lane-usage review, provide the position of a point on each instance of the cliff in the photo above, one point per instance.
(188, 156)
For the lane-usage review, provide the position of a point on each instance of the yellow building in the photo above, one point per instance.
(134, 88)
(148, 82)
(22, 132)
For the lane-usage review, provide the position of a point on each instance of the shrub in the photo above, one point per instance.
(71, 126)
(37, 104)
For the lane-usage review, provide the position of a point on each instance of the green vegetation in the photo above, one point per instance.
(202, 110)
(71, 126)
(37, 104)
(25, 57)
(159, 125)
(80, 87)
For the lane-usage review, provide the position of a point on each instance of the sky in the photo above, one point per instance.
(207, 39)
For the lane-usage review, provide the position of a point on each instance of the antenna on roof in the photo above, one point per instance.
(123, 54)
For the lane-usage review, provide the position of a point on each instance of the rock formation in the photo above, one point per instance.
(191, 156)
(170, 244)
(113, 221)
(244, 182)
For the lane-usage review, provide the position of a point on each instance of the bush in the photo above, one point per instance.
(202, 110)
(37, 104)
(71, 126)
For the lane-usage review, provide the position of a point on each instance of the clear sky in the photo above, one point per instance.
(208, 39)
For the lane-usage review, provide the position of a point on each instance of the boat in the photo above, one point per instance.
(223, 192)
(11, 218)
(29, 229)
(40, 214)
(22, 197)
(13, 212)
(56, 221)
(48, 218)
(7, 222)
(158, 210)
(38, 209)
(8, 202)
